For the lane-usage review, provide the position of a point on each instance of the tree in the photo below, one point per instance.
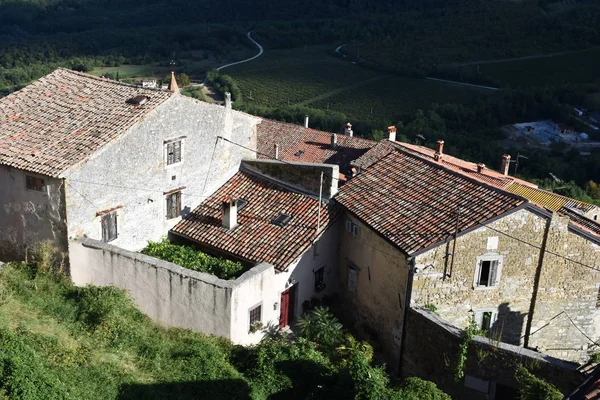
(183, 79)
(534, 388)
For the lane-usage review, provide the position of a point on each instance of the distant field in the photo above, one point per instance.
(579, 67)
(315, 78)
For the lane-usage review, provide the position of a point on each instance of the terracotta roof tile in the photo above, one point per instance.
(413, 202)
(297, 143)
(256, 239)
(581, 221)
(64, 117)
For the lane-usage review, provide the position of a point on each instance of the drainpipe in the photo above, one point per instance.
(536, 283)
(409, 285)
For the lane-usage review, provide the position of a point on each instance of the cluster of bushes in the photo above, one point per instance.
(194, 92)
(223, 84)
(194, 259)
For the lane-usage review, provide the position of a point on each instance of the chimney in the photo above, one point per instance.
(228, 100)
(505, 164)
(276, 147)
(480, 167)
(333, 141)
(348, 130)
(440, 151)
(229, 207)
(392, 133)
(306, 121)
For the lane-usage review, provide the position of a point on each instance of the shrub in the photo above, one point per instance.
(224, 83)
(191, 258)
(322, 328)
(534, 388)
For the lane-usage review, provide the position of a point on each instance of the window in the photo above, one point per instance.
(598, 298)
(352, 278)
(351, 227)
(109, 226)
(173, 205)
(319, 279)
(173, 152)
(255, 315)
(487, 272)
(33, 183)
(281, 219)
(485, 319)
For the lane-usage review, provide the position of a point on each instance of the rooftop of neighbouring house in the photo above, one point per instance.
(258, 237)
(581, 221)
(467, 168)
(549, 200)
(65, 116)
(413, 202)
(297, 143)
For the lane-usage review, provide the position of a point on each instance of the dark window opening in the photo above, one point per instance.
(281, 219)
(299, 153)
(488, 271)
(33, 183)
(320, 279)
(486, 321)
(138, 100)
(255, 315)
(174, 152)
(174, 205)
(241, 204)
(109, 226)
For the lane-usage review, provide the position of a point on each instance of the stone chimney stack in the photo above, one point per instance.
(306, 121)
(229, 207)
(392, 133)
(505, 164)
(228, 100)
(276, 148)
(480, 167)
(334, 141)
(348, 130)
(439, 154)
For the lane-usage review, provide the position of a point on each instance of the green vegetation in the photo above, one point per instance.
(60, 341)
(192, 258)
(194, 92)
(224, 84)
(534, 388)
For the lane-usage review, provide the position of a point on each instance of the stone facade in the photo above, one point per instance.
(131, 174)
(376, 291)
(28, 217)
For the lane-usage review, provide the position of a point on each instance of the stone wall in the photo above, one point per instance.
(131, 173)
(431, 352)
(377, 304)
(566, 286)
(306, 176)
(28, 217)
(167, 293)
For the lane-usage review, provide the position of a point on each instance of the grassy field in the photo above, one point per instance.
(313, 77)
(571, 68)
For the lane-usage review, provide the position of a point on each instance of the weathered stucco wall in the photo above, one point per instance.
(28, 217)
(378, 303)
(564, 286)
(131, 173)
(432, 348)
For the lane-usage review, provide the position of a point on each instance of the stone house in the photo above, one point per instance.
(87, 156)
(269, 212)
(429, 235)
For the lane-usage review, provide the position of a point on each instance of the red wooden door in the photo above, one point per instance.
(288, 301)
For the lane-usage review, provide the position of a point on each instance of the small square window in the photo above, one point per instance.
(109, 226)
(173, 205)
(487, 273)
(33, 183)
(173, 150)
(255, 315)
(319, 279)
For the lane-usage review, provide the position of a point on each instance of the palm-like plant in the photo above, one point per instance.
(321, 327)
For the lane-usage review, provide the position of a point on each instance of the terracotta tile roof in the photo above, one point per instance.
(256, 239)
(549, 200)
(64, 117)
(297, 143)
(488, 176)
(581, 221)
(413, 202)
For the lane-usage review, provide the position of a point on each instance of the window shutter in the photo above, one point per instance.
(177, 151)
(113, 225)
(109, 226)
(170, 206)
(348, 225)
(178, 204)
(493, 273)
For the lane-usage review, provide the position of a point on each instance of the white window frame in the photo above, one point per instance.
(476, 277)
(254, 307)
(166, 144)
(44, 184)
(478, 317)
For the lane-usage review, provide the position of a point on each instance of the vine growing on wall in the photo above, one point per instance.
(461, 360)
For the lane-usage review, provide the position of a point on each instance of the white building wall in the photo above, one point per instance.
(28, 217)
(131, 173)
